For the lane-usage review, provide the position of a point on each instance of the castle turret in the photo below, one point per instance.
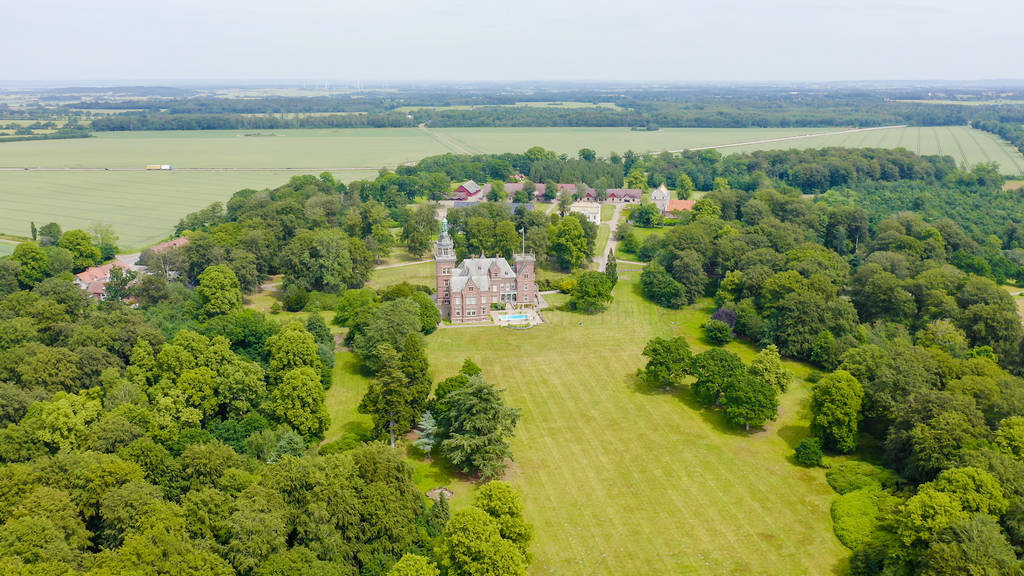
(444, 263)
(526, 281)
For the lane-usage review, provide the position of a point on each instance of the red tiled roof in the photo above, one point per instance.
(98, 273)
(512, 187)
(680, 205)
(624, 192)
(170, 245)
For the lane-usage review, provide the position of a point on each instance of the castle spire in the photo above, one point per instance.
(445, 249)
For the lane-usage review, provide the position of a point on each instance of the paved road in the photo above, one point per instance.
(613, 244)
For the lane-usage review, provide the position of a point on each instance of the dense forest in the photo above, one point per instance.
(713, 112)
(613, 106)
(168, 429)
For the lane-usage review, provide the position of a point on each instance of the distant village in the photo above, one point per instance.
(586, 202)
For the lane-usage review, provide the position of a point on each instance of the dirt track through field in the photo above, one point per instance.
(800, 137)
(446, 141)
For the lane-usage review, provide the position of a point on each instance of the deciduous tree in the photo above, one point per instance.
(218, 291)
(835, 405)
(669, 360)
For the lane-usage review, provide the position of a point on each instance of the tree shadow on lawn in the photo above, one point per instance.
(792, 434)
(434, 470)
(641, 384)
(685, 395)
(712, 416)
(360, 429)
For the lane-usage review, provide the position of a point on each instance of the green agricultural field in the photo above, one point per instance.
(966, 145)
(622, 479)
(608, 140)
(143, 207)
(6, 249)
(266, 149)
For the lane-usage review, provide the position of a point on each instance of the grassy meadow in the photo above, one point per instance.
(619, 478)
(144, 206)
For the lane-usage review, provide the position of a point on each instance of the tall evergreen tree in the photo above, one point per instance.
(416, 368)
(476, 428)
(611, 268)
(388, 397)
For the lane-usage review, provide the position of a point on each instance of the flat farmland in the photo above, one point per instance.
(143, 207)
(608, 140)
(264, 149)
(966, 145)
(75, 189)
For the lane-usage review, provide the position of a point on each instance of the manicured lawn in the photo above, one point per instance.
(622, 479)
(607, 211)
(641, 234)
(422, 273)
(601, 244)
(6, 249)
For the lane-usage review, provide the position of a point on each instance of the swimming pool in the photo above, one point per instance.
(515, 317)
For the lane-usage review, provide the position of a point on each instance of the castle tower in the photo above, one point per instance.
(444, 262)
(526, 280)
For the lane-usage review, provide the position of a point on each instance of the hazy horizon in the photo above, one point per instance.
(454, 41)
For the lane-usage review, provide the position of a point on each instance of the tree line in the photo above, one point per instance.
(894, 298)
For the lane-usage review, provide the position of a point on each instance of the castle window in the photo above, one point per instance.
(446, 282)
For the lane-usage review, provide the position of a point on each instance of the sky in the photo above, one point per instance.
(140, 41)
